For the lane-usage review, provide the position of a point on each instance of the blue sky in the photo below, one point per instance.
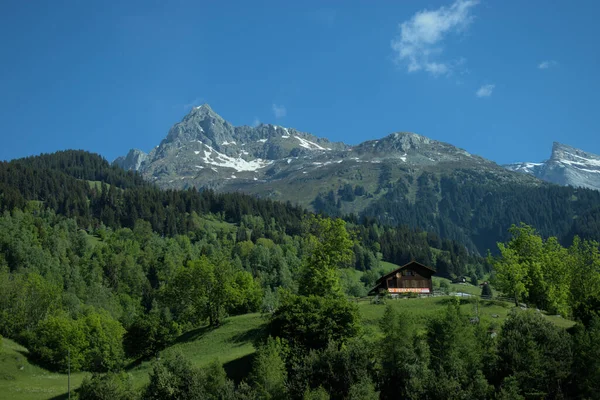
(501, 78)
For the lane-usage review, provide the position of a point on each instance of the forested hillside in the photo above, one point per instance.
(95, 247)
(478, 213)
(100, 271)
(85, 187)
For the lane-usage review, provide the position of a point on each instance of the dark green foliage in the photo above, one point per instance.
(509, 390)
(316, 394)
(108, 386)
(347, 193)
(456, 356)
(472, 209)
(586, 360)
(311, 322)
(336, 368)
(60, 181)
(403, 357)
(151, 333)
(474, 280)
(175, 378)
(536, 353)
(363, 389)
(82, 261)
(269, 374)
(486, 290)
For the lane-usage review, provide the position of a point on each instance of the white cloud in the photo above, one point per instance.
(279, 111)
(256, 122)
(421, 38)
(485, 91)
(547, 64)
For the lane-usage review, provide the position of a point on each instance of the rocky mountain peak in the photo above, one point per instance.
(567, 165)
(204, 150)
(562, 151)
(132, 161)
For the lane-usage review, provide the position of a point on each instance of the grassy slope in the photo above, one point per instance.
(21, 380)
(231, 344)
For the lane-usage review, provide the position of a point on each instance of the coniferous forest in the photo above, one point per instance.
(100, 270)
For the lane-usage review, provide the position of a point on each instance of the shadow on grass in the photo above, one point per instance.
(250, 335)
(36, 362)
(194, 334)
(63, 396)
(239, 368)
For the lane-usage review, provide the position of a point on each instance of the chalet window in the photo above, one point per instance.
(408, 272)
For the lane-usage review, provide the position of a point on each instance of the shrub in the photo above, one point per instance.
(176, 378)
(109, 386)
(535, 352)
(313, 321)
(93, 341)
(486, 290)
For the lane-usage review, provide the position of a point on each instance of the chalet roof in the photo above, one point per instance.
(384, 277)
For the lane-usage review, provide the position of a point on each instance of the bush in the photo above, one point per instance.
(535, 352)
(109, 386)
(316, 394)
(269, 374)
(175, 378)
(151, 333)
(93, 341)
(445, 287)
(335, 368)
(486, 290)
(313, 321)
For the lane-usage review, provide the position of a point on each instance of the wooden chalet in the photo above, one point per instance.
(412, 277)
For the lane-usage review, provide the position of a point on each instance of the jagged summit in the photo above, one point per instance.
(132, 161)
(204, 150)
(567, 165)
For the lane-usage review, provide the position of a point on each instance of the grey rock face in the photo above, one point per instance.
(132, 161)
(203, 150)
(567, 166)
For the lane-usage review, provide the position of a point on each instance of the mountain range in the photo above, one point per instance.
(402, 178)
(205, 151)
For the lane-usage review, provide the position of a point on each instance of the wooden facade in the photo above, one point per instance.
(412, 277)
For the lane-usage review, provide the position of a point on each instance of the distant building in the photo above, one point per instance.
(412, 277)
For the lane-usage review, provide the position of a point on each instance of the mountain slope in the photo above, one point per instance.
(567, 166)
(204, 150)
(403, 178)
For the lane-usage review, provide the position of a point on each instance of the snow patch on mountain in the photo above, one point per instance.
(307, 144)
(567, 166)
(213, 157)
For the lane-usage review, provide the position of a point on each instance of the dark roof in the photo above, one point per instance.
(402, 267)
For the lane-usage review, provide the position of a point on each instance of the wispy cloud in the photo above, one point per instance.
(279, 111)
(256, 122)
(485, 91)
(196, 102)
(420, 42)
(547, 64)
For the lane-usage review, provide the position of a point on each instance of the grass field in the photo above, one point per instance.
(230, 344)
(21, 380)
